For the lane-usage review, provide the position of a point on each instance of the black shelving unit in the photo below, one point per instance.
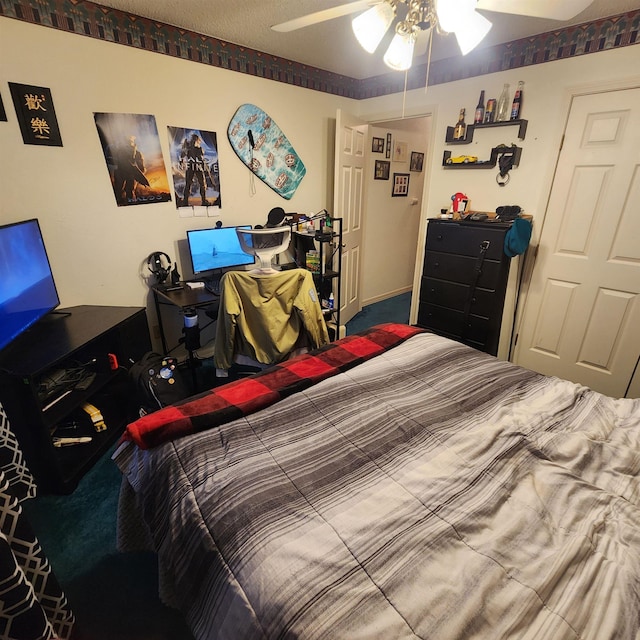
(328, 244)
(496, 152)
(102, 341)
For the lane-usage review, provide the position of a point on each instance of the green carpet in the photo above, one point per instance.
(115, 595)
(394, 309)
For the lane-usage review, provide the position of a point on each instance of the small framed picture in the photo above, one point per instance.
(382, 170)
(399, 151)
(417, 160)
(388, 151)
(400, 185)
(377, 145)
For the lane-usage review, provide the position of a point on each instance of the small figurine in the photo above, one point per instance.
(459, 203)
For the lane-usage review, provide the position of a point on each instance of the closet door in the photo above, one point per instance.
(583, 308)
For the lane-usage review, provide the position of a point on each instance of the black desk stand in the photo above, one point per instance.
(186, 299)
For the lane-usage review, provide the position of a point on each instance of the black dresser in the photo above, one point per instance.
(464, 281)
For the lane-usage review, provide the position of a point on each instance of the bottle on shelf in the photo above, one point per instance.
(516, 106)
(490, 111)
(503, 104)
(479, 115)
(460, 130)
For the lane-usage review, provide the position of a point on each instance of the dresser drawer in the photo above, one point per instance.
(451, 322)
(465, 240)
(461, 269)
(454, 296)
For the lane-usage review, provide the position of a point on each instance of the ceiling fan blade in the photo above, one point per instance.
(323, 16)
(551, 9)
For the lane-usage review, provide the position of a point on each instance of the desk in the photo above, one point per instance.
(184, 299)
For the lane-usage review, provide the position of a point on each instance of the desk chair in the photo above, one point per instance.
(266, 315)
(264, 244)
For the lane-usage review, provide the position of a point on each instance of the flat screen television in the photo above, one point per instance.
(27, 289)
(216, 249)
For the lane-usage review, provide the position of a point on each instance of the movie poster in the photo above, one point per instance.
(194, 167)
(132, 151)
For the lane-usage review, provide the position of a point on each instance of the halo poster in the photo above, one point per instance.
(132, 151)
(194, 167)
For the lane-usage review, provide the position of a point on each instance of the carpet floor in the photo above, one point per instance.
(115, 595)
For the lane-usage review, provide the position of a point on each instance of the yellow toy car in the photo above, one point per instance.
(462, 159)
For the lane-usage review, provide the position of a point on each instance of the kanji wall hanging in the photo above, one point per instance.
(36, 114)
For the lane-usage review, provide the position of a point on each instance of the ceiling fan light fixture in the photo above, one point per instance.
(400, 52)
(369, 27)
(471, 31)
(448, 13)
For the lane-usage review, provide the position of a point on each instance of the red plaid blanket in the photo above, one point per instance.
(243, 397)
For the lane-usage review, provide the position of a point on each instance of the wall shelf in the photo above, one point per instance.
(485, 164)
(521, 124)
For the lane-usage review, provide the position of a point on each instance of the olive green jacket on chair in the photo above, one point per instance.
(267, 316)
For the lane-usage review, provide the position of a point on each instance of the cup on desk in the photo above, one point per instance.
(191, 330)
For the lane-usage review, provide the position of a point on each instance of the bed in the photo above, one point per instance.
(394, 484)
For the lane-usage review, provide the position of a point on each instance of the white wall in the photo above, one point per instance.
(547, 93)
(96, 248)
(392, 224)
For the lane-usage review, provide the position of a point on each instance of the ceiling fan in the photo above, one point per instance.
(415, 20)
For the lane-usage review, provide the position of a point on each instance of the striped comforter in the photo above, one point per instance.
(430, 492)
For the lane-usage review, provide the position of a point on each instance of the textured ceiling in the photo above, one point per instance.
(330, 45)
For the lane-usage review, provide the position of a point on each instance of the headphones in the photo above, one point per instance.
(154, 262)
(508, 212)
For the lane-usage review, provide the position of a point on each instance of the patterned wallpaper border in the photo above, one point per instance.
(88, 19)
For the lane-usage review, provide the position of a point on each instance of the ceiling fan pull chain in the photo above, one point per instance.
(404, 93)
(426, 82)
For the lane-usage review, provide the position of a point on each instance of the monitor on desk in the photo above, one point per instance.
(216, 249)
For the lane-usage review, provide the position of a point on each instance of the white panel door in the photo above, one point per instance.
(348, 204)
(582, 316)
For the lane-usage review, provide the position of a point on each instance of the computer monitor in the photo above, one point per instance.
(216, 249)
(27, 289)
